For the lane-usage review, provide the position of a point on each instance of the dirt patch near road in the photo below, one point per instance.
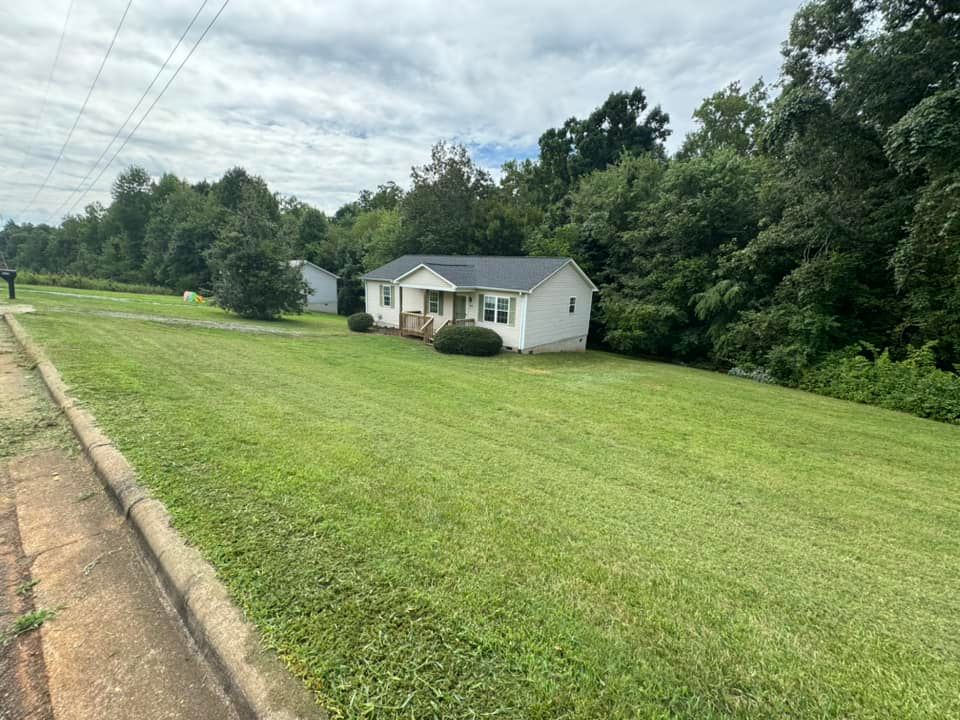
(23, 672)
(166, 320)
(18, 309)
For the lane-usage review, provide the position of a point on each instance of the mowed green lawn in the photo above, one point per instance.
(559, 536)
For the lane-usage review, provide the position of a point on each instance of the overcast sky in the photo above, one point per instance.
(324, 99)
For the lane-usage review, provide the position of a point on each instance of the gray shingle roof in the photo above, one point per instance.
(476, 271)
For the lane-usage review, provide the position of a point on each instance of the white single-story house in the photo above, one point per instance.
(536, 304)
(323, 286)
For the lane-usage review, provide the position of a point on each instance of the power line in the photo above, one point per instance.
(131, 114)
(152, 105)
(82, 108)
(46, 90)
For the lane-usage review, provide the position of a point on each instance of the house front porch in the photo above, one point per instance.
(418, 324)
(424, 312)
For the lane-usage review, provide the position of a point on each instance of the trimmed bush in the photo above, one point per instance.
(914, 385)
(360, 322)
(467, 340)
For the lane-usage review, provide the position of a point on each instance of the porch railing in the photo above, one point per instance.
(426, 330)
(410, 323)
(417, 325)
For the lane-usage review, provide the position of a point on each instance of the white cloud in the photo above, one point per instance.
(325, 99)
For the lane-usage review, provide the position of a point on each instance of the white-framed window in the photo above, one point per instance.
(503, 310)
(489, 308)
(496, 309)
(572, 305)
(386, 295)
(433, 302)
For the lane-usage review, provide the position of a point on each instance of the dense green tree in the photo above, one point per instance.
(730, 119)
(237, 186)
(27, 246)
(128, 216)
(654, 234)
(925, 144)
(821, 273)
(377, 235)
(180, 232)
(579, 147)
(500, 226)
(304, 231)
(250, 266)
(440, 213)
(388, 196)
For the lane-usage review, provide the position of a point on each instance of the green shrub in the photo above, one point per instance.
(914, 385)
(360, 322)
(467, 340)
(80, 282)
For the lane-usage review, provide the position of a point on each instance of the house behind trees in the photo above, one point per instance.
(323, 286)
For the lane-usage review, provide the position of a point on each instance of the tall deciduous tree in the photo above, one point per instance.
(621, 125)
(925, 143)
(441, 211)
(730, 119)
(181, 230)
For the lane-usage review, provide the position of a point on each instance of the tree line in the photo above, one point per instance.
(796, 220)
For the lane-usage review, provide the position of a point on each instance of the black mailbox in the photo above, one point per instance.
(9, 274)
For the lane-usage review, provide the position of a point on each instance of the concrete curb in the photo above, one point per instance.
(256, 682)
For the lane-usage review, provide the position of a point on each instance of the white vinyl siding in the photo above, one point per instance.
(541, 318)
(411, 300)
(322, 296)
(443, 305)
(386, 316)
(425, 278)
(548, 313)
(414, 300)
(505, 309)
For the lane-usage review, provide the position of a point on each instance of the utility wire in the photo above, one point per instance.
(131, 114)
(46, 90)
(82, 108)
(152, 105)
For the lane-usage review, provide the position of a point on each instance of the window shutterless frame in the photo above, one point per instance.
(386, 295)
(572, 305)
(489, 308)
(503, 310)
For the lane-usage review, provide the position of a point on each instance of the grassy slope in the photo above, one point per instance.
(548, 536)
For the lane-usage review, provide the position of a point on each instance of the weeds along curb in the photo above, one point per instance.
(258, 684)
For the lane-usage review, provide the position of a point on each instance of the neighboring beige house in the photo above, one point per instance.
(323, 286)
(535, 304)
